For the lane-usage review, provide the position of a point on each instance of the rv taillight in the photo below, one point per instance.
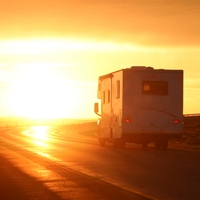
(176, 121)
(128, 119)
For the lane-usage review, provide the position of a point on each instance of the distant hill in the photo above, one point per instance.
(20, 121)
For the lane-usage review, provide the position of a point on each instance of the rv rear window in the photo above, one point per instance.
(155, 87)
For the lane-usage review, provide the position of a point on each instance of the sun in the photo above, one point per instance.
(39, 93)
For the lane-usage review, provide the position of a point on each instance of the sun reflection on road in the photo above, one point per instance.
(39, 136)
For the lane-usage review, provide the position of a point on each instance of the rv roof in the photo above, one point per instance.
(110, 75)
(137, 69)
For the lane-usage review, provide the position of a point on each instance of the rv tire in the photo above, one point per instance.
(164, 144)
(161, 143)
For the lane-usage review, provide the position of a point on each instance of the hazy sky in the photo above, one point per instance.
(52, 52)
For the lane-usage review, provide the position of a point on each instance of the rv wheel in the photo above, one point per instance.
(164, 143)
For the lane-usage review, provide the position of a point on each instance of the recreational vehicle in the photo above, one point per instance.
(140, 105)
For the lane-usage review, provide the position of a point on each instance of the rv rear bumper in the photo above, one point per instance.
(131, 137)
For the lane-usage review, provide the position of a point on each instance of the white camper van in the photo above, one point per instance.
(140, 105)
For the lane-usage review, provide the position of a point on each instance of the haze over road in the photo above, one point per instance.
(171, 174)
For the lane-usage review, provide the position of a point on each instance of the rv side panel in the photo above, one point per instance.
(105, 94)
(117, 100)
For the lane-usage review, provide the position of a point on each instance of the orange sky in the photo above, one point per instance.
(141, 22)
(73, 42)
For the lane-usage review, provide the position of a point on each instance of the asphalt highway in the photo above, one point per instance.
(50, 163)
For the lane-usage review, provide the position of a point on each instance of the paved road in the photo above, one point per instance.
(171, 174)
(15, 184)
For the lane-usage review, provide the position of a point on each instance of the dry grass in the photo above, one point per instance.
(191, 130)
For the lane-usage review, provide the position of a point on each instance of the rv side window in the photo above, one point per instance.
(104, 97)
(108, 97)
(155, 87)
(118, 89)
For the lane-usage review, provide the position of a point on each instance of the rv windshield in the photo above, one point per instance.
(155, 87)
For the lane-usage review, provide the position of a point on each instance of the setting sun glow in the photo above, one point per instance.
(39, 93)
(52, 52)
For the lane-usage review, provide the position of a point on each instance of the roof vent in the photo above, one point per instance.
(149, 68)
(138, 67)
